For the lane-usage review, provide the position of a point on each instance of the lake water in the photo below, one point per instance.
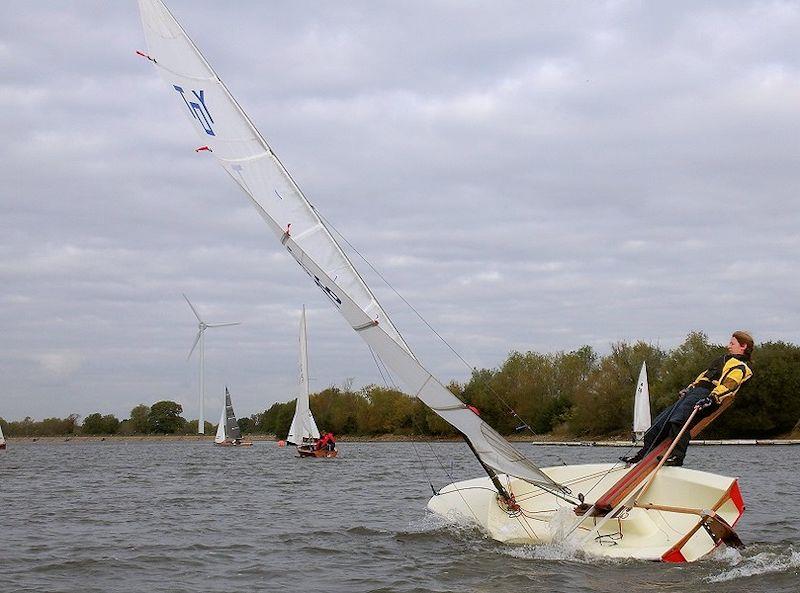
(190, 517)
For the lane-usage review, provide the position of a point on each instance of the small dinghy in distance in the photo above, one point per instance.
(308, 451)
(228, 432)
(2, 439)
(670, 514)
(303, 431)
(324, 447)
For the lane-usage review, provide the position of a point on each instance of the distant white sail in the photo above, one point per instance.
(228, 429)
(225, 130)
(641, 404)
(2, 438)
(303, 424)
(220, 437)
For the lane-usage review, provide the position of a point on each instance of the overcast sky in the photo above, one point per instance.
(529, 175)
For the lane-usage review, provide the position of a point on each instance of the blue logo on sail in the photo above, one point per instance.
(198, 109)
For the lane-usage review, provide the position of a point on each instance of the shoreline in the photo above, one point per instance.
(542, 441)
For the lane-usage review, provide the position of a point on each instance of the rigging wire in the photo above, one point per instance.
(424, 469)
(472, 368)
(491, 390)
(378, 366)
(378, 362)
(644, 453)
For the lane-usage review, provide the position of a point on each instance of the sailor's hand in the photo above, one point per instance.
(683, 392)
(704, 403)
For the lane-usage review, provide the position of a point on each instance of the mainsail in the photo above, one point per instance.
(2, 438)
(641, 404)
(232, 430)
(304, 426)
(228, 428)
(228, 133)
(220, 436)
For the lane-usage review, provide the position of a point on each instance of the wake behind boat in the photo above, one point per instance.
(228, 432)
(660, 516)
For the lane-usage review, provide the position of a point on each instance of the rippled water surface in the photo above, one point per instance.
(187, 516)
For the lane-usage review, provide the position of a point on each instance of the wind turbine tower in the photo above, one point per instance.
(200, 337)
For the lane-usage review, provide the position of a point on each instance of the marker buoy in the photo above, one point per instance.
(281, 443)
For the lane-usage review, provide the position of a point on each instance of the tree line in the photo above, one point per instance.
(163, 417)
(572, 394)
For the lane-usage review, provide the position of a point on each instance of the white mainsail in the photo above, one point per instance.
(220, 437)
(303, 424)
(641, 404)
(228, 133)
(2, 438)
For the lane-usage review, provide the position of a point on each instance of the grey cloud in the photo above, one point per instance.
(528, 175)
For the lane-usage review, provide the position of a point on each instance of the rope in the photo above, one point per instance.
(427, 477)
(375, 359)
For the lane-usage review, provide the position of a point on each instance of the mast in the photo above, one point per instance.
(490, 472)
(201, 420)
(303, 424)
(229, 135)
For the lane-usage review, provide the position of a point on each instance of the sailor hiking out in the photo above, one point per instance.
(719, 382)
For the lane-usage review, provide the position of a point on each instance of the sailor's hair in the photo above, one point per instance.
(745, 339)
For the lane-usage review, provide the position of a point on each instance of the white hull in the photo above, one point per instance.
(640, 534)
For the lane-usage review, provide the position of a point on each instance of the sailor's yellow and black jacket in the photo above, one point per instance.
(725, 376)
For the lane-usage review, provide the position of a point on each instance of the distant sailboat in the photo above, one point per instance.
(228, 432)
(324, 447)
(641, 406)
(303, 430)
(2, 439)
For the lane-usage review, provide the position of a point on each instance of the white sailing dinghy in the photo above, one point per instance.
(228, 432)
(2, 439)
(641, 405)
(303, 431)
(678, 515)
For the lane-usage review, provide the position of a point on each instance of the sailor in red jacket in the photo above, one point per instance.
(326, 442)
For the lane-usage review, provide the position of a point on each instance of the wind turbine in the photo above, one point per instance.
(203, 326)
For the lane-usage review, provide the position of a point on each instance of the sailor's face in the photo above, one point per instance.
(734, 347)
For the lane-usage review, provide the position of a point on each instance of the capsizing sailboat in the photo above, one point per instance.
(641, 405)
(228, 432)
(670, 514)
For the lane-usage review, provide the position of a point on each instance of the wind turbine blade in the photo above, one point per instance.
(223, 324)
(194, 344)
(191, 306)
